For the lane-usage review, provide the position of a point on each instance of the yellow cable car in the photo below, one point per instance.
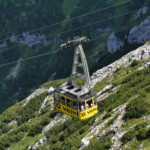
(80, 108)
(71, 99)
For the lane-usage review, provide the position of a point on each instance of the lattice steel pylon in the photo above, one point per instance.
(78, 55)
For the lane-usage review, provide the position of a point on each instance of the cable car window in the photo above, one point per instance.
(95, 101)
(68, 102)
(57, 97)
(89, 104)
(74, 105)
(82, 106)
(63, 100)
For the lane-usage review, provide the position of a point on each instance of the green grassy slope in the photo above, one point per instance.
(133, 89)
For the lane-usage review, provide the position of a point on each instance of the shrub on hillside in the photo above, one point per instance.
(10, 138)
(142, 134)
(45, 121)
(113, 119)
(4, 128)
(53, 113)
(140, 131)
(11, 113)
(99, 144)
(137, 108)
(148, 133)
(141, 126)
(108, 114)
(35, 129)
(128, 136)
(135, 63)
(2, 147)
(29, 110)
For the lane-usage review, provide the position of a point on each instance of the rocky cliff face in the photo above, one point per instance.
(137, 34)
(141, 53)
(140, 12)
(114, 43)
(140, 33)
(30, 39)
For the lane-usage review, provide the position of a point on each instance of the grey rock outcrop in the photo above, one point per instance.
(140, 53)
(140, 12)
(50, 90)
(104, 30)
(95, 130)
(140, 33)
(106, 89)
(13, 38)
(39, 143)
(14, 70)
(114, 43)
(4, 44)
(115, 128)
(43, 105)
(147, 65)
(14, 122)
(30, 39)
(57, 120)
(106, 133)
(35, 93)
(145, 54)
(52, 76)
(141, 146)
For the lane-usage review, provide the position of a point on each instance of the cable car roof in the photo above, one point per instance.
(75, 97)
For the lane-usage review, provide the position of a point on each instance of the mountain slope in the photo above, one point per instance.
(123, 93)
(21, 17)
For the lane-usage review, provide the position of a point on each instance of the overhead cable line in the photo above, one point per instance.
(99, 21)
(69, 19)
(28, 58)
(116, 31)
(80, 27)
(44, 54)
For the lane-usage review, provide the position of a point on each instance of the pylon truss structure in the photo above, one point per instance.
(78, 62)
